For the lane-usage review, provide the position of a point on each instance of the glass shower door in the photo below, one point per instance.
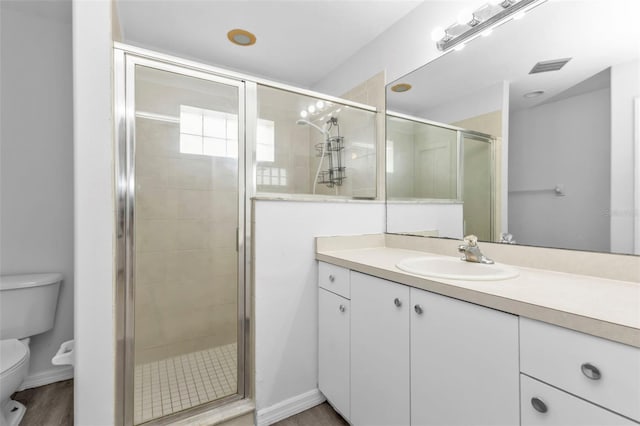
(186, 274)
(477, 191)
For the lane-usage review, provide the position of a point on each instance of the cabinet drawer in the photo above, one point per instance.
(561, 408)
(601, 371)
(334, 278)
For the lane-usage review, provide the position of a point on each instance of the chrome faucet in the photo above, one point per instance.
(471, 252)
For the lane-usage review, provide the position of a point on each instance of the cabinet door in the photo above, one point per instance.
(379, 352)
(464, 363)
(333, 350)
(543, 405)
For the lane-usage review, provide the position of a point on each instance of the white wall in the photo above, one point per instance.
(625, 86)
(286, 292)
(551, 145)
(488, 99)
(37, 163)
(405, 46)
(94, 387)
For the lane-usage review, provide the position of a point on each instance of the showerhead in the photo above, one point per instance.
(321, 130)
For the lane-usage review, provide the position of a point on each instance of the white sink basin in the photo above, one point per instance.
(456, 269)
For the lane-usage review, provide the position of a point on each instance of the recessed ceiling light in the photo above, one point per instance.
(241, 37)
(533, 94)
(401, 87)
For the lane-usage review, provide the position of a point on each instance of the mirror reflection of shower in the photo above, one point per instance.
(331, 147)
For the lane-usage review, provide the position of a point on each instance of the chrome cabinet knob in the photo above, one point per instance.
(539, 405)
(397, 302)
(332, 278)
(342, 308)
(591, 371)
(418, 309)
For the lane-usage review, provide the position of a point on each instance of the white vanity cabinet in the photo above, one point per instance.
(334, 313)
(379, 352)
(418, 358)
(395, 355)
(602, 372)
(464, 363)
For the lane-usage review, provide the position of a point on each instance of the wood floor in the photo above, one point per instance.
(320, 415)
(50, 405)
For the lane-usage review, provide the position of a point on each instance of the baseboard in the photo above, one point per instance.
(47, 377)
(289, 407)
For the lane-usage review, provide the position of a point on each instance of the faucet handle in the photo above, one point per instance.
(471, 240)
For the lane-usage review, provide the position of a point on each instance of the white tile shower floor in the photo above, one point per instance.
(170, 385)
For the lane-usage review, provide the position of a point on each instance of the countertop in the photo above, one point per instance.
(598, 306)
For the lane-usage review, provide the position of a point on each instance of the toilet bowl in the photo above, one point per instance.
(14, 364)
(27, 308)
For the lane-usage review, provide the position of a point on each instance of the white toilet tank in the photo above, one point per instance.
(27, 304)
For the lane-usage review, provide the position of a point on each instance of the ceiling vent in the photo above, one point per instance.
(546, 66)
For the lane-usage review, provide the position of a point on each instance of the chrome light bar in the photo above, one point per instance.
(482, 20)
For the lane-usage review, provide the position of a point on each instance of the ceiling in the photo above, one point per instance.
(298, 42)
(594, 33)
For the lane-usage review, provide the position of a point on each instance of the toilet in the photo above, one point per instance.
(27, 307)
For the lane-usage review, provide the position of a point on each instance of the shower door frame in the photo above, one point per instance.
(125, 62)
(491, 140)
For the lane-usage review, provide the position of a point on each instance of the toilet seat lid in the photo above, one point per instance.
(12, 352)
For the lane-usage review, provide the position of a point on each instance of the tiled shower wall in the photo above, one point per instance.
(291, 140)
(186, 218)
(366, 162)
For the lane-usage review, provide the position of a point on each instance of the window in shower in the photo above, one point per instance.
(266, 141)
(215, 133)
(271, 176)
(207, 132)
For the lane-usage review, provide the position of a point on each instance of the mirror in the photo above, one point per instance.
(480, 144)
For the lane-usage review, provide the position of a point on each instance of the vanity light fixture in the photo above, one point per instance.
(470, 25)
(241, 37)
(401, 87)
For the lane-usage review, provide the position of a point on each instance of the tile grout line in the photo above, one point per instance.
(170, 385)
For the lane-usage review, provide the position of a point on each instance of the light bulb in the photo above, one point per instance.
(303, 114)
(459, 47)
(464, 17)
(311, 109)
(320, 104)
(437, 34)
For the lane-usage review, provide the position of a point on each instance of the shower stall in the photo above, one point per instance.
(194, 145)
(182, 238)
